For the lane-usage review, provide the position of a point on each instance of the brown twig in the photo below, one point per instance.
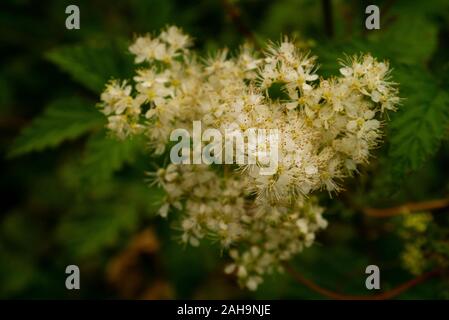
(381, 296)
(235, 15)
(407, 208)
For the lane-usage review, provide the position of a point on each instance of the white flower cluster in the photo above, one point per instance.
(327, 127)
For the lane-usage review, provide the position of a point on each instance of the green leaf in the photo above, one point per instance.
(62, 120)
(421, 123)
(105, 155)
(93, 64)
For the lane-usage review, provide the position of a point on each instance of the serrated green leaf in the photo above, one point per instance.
(105, 155)
(93, 64)
(62, 120)
(421, 123)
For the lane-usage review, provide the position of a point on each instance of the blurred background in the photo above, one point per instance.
(70, 195)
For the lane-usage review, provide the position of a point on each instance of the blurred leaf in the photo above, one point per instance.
(282, 18)
(62, 120)
(16, 272)
(420, 8)
(17, 232)
(93, 64)
(86, 233)
(396, 43)
(399, 42)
